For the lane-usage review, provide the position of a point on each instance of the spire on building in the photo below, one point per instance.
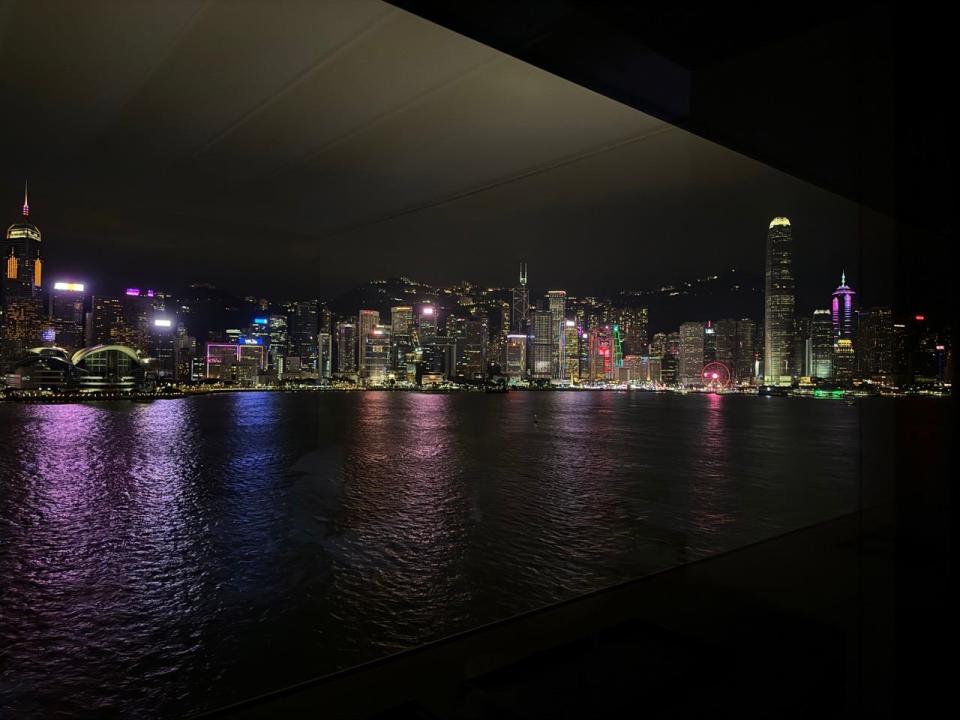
(26, 201)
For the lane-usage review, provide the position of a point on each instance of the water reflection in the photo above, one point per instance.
(159, 559)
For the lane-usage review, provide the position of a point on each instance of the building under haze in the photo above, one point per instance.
(778, 304)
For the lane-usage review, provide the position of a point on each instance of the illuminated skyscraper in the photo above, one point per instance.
(557, 305)
(346, 349)
(366, 321)
(543, 344)
(303, 326)
(746, 363)
(778, 299)
(875, 344)
(66, 314)
(821, 345)
(844, 361)
(401, 338)
(691, 352)
(633, 329)
(842, 311)
(521, 304)
(325, 354)
(515, 366)
(21, 255)
(376, 354)
(571, 351)
(600, 351)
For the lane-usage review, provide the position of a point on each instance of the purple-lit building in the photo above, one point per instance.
(842, 311)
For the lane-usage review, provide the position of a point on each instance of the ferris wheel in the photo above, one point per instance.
(716, 375)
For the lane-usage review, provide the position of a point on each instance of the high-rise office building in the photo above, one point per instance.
(303, 326)
(66, 314)
(376, 354)
(802, 362)
(875, 344)
(515, 362)
(844, 361)
(600, 344)
(691, 352)
(366, 321)
(842, 310)
(571, 351)
(821, 345)
(557, 305)
(401, 338)
(778, 299)
(21, 254)
(346, 349)
(543, 344)
(746, 364)
(725, 344)
(633, 323)
(521, 304)
(709, 342)
(325, 354)
(473, 357)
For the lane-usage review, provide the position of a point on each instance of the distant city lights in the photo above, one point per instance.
(69, 286)
(163, 322)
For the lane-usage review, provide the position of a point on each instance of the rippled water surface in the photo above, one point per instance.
(163, 558)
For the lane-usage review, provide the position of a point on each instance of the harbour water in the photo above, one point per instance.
(164, 558)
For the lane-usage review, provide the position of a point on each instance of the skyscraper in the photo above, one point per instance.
(521, 304)
(875, 343)
(821, 345)
(778, 303)
(21, 253)
(325, 354)
(346, 349)
(557, 305)
(543, 344)
(842, 311)
(691, 352)
(366, 321)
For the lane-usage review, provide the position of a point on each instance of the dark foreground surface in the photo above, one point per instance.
(168, 558)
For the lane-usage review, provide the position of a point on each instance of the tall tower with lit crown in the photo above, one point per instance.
(841, 310)
(21, 252)
(778, 304)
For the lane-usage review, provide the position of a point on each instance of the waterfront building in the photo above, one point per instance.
(515, 366)
(844, 361)
(23, 272)
(600, 348)
(779, 301)
(473, 357)
(669, 369)
(66, 308)
(346, 350)
(821, 345)
(303, 325)
(802, 363)
(875, 344)
(325, 354)
(633, 322)
(571, 351)
(747, 363)
(842, 311)
(726, 346)
(521, 304)
(557, 305)
(367, 320)
(543, 344)
(376, 356)
(108, 368)
(691, 352)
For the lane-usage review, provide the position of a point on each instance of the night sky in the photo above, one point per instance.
(298, 149)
